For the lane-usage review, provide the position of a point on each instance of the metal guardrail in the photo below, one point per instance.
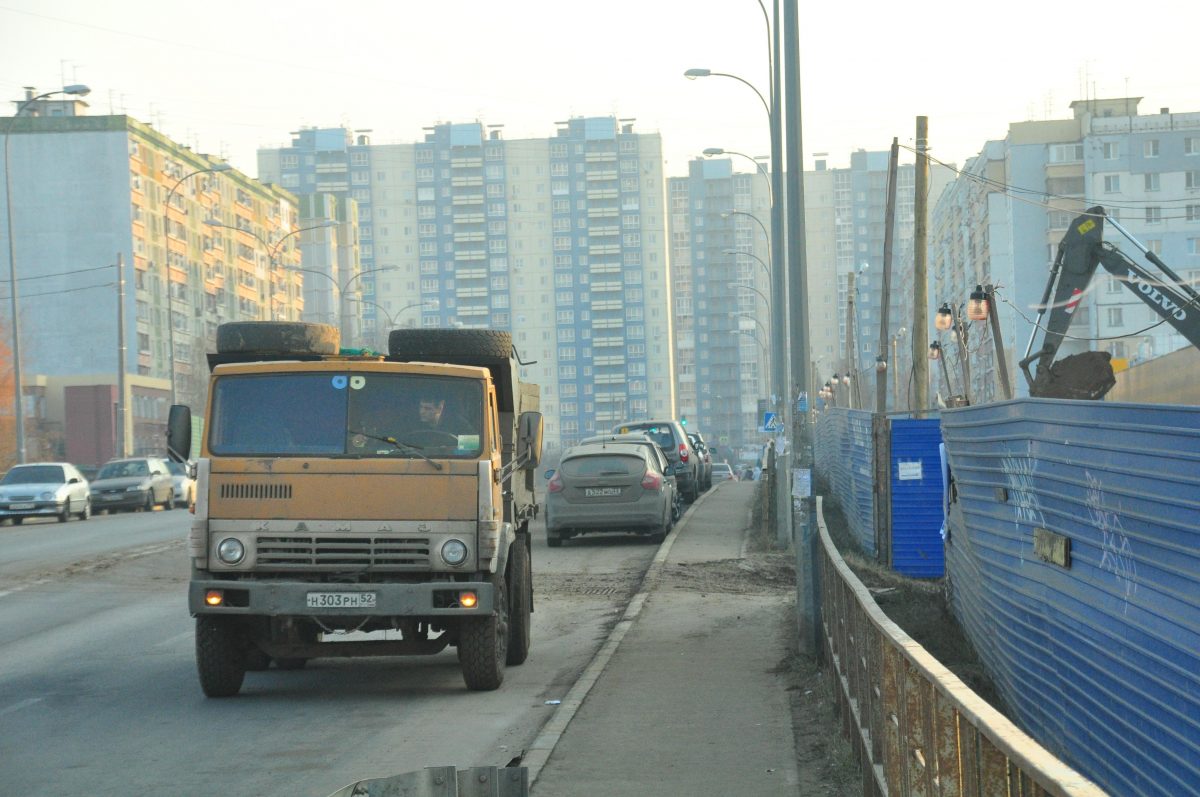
(915, 727)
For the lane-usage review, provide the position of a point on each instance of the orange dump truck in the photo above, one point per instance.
(354, 504)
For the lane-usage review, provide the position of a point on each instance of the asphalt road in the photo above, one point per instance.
(98, 689)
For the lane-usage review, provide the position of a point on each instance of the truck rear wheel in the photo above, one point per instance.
(277, 337)
(220, 656)
(483, 644)
(520, 590)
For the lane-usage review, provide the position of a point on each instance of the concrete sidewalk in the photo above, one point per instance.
(688, 695)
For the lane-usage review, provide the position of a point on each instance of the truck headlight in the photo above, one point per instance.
(454, 552)
(231, 551)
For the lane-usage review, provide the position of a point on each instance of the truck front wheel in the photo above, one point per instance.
(220, 656)
(520, 590)
(483, 643)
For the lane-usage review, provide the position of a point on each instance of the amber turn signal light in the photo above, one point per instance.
(467, 600)
(214, 597)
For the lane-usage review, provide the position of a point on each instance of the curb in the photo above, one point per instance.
(539, 752)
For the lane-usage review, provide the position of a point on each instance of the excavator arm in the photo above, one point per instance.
(1089, 375)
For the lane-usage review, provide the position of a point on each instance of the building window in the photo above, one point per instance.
(1112, 183)
(1150, 148)
(1112, 150)
(1066, 153)
(1191, 180)
(1153, 214)
(1194, 246)
(1115, 317)
(1193, 212)
(1151, 181)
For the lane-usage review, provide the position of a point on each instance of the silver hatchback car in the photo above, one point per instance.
(610, 488)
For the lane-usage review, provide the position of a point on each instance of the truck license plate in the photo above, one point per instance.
(341, 600)
(598, 492)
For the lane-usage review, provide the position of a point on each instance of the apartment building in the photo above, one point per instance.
(561, 240)
(108, 213)
(1002, 220)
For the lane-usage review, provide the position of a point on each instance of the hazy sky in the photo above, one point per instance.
(228, 77)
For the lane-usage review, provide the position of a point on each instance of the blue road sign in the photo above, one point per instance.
(771, 422)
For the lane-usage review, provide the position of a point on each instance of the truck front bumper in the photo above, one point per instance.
(307, 599)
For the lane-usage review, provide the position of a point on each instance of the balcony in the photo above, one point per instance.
(594, 194)
(464, 237)
(469, 162)
(468, 218)
(596, 175)
(470, 180)
(470, 254)
(467, 199)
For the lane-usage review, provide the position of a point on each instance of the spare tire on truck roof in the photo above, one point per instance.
(461, 346)
(277, 337)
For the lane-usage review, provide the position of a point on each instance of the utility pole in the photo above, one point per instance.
(920, 327)
(797, 292)
(781, 398)
(889, 222)
(121, 450)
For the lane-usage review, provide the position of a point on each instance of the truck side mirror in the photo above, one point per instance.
(529, 438)
(179, 433)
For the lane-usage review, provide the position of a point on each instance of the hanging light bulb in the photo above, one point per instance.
(880, 364)
(846, 379)
(935, 351)
(836, 378)
(977, 307)
(944, 317)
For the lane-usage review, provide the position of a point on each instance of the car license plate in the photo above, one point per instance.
(20, 506)
(341, 600)
(600, 492)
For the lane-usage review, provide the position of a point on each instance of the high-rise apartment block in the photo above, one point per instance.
(560, 240)
(198, 243)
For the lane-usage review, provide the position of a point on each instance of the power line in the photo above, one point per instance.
(66, 290)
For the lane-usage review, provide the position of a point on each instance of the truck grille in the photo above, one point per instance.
(256, 492)
(340, 553)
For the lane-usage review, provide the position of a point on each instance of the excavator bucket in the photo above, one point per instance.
(1087, 376)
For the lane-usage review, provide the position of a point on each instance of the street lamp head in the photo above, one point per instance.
(944, 317)
(692, 74)
(977, 309)
(220, 167)
(710, 151)
(77, 89)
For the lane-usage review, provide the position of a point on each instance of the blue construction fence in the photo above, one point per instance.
(897, 520)
(1073, 562)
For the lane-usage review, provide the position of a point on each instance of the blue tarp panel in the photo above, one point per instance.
(1098, 660)
(916, 497)
(844, 458)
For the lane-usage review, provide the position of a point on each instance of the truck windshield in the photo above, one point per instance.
(346, 415)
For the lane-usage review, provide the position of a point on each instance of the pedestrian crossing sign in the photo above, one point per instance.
(771, 422)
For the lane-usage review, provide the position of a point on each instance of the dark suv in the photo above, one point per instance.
(674, 442)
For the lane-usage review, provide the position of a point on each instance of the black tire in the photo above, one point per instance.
(520, 590)
(287, 663)
(256, 660)
(18, 521)
(277, 337)
(148, 506)
(220, 656)
(483, 644)
(65, 515)
(462, 346)
(169, 504)
(87, 509)
(554, 540)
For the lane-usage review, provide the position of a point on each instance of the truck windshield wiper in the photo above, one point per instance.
(405, 447)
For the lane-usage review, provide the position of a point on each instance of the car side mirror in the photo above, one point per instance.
(529, 438)
(179, 433)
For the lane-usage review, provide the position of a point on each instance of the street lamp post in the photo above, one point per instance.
(779, 361)
(342, 287)
(170, 319)
(272, 250)
(715, 151)
(78, 90)
(394, 317)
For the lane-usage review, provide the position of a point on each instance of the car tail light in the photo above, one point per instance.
(652, 481)
(555, 484)
(683, 452)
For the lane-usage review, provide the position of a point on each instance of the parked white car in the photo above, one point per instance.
(44, 489)
(185, 486)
